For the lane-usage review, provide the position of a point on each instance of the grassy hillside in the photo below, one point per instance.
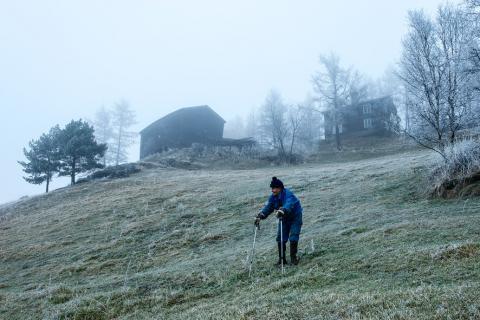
(169, 244)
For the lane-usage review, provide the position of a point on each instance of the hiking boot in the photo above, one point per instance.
(293, 252)
(279, 263)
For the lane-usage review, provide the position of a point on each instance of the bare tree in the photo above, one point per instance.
(251, 125)
(310, 131)
(235, 128)
(273, 123)
(123, 118)
(359, 88)
(295, 120)
(422, 76)
(433, 72)
(472, 9)
(474, 4)
(390, 84)
(455, 36)
(104, 132)
(334, 88)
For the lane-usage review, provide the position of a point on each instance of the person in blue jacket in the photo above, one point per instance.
(289, 209)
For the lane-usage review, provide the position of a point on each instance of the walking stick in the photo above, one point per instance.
(253, 250)
(282, 253)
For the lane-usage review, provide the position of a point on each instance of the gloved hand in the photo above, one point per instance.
(259, 217)
(281, 212)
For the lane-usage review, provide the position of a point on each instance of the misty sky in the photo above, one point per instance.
(61, 60)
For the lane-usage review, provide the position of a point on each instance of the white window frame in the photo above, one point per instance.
(367, 123)
(367, 109)
(340, 129)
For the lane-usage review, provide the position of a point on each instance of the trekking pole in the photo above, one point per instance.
(282, 253)
(253, 250)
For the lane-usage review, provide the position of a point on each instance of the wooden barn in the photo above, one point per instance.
(180, 129)
(377, 117)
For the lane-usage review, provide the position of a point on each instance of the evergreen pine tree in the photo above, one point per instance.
(79, 150)
(43, 158)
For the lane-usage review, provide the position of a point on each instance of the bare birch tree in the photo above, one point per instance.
(472, 8)
(296, 119)
(433, 70)
(311, 129)
(333, 85)
(273, 123)
(455, 36)
(123, 117)
(234, 128)
(104, 132)
(251, 125)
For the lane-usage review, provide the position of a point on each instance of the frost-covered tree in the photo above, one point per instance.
(104, 132)
(123, 118)
(433, 70)
(335, 87)
(251, 125)
(296, 119)
(235, 128)
(273, 123)
(472, 10)
(311, 129)
(79, 150)
(473, 15)
(455, 34)
(359, 88)
(283, 127)
(43, 158)
(390, 84)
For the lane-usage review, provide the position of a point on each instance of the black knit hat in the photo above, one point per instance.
(276, 183)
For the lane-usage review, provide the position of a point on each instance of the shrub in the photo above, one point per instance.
(462, 162)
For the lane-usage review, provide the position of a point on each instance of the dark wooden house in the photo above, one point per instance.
(377, 117)
(180, 129)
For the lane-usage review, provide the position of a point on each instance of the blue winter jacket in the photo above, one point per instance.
(288, 201)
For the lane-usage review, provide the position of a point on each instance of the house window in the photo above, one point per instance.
(367, 109)
(367, 123)
(340, 129)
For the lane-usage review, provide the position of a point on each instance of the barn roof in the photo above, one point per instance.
(378, 102)
(183, 111)
(386, 101)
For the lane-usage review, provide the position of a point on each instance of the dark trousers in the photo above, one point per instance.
(291, 229)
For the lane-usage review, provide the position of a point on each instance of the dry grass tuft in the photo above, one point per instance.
(463, 251)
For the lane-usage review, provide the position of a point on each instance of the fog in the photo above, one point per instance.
(62, 60)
